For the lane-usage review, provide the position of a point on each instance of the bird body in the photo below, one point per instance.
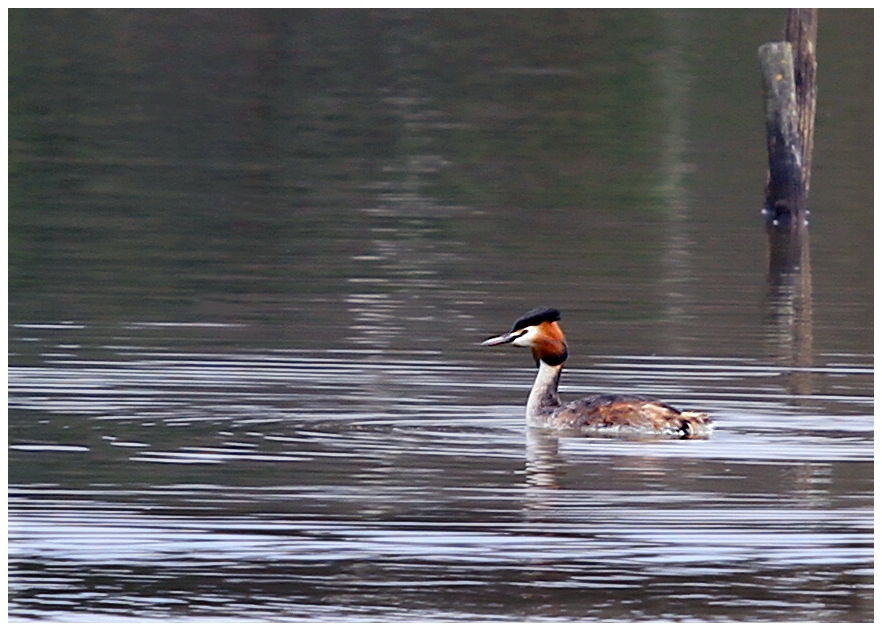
(603, 414)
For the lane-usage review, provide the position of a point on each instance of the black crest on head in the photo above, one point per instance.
(536, 316)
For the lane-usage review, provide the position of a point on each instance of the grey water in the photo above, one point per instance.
(252, 255)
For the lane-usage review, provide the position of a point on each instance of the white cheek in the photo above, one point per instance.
(527, 338)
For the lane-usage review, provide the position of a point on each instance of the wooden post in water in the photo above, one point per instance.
(789, 89)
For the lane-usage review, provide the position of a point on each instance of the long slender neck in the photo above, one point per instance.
(543, 396)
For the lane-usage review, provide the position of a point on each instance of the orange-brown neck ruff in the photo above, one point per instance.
(550, 345)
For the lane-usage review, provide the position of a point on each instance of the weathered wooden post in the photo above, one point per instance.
(790, 91)
(801, 31)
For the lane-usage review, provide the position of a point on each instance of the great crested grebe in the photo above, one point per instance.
(601, 414)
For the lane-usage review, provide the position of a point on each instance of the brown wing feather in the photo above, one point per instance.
(631, 414)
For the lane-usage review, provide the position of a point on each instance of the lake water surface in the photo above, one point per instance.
(251, 259)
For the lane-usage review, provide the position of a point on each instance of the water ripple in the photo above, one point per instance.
(345, 486)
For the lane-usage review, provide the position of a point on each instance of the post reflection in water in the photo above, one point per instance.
(789, 306)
